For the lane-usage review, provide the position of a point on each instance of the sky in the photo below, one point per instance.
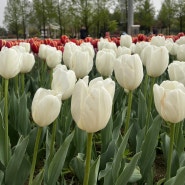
(2, 6)
(156, 3)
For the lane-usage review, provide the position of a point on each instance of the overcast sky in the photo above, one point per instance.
(2, 5)
(157, 4)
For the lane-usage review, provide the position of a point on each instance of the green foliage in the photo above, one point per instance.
(118, 158)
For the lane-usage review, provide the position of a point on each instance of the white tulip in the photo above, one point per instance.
(53, 58)
(128, 71)
(26, 46)
(28, 61)
(126, 40)
(81, 63)
(87, 46)
(181, 52)
(180, 41)
(105, 60)
(63, 81)
(69, 48)
(176, 71)
(169, 100)
(46, 106)
(10, 62)
(156, 60)
(91, 105)
(123, 50)
(158, 40)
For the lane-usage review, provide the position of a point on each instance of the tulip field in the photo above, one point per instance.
(98, 111)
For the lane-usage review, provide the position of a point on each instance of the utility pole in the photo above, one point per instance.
(130, 17)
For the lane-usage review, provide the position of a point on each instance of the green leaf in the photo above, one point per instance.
(15, 162)
(24, 125)
(23, 172)
(165, 143)
(139, 139)
(80, 138)
(106, 135)
(103, 173)
(107, 174)
(127, 172)
(149, 146)
(38, 179)
(179, 179)
(142, 109)
(94, 172)
(179, 138)
(119, 155)
(136, 175)
(2, 137)
(118, 124)
(77, 164)
(1, 177)
(108, 154)
(161, 181)
(58, 160)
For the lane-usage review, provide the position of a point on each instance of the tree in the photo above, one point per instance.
(144, 15)
(179, 7)
(25, 12)
(166, 15)
(16, 16)
(12, 16)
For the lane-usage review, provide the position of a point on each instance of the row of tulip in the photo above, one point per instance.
(110, 93)
(60, 43)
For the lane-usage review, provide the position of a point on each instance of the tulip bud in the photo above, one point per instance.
(105, 43)
(63, 81)
(181, 40)
(69, 48)
(81, 63)
(158, 40)
(176, 71)
(129, 71)
(126, 40)
(91, 105)
(53, 58)
(42, 51)
(28, 61)
(19, 49)
(156, 60)
(169, 99)
(181, 53)
(46, 106)
(105, 60)
(88, 47)
(10, 62)
(123, 50)
(140, 46)
(26, 46)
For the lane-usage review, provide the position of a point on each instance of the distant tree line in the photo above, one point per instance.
(29, 18)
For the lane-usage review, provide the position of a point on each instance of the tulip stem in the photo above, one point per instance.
(145, 85)
(6, 122)
(88, 158)
(39, 131)
(128, 111)
(22, 83)
(51, 76)
(170, 152)
(150, 104)
(53, 138)
(2, 87)
(16, 83)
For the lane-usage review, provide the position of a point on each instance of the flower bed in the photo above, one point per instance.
(93, 111)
